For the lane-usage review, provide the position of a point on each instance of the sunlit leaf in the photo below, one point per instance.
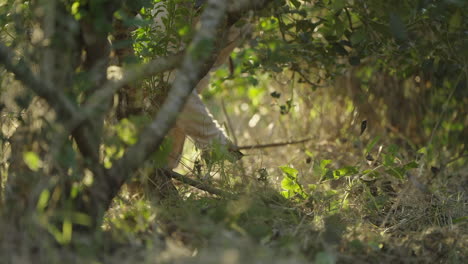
(291, 172)
(75, 7)
(288, 184)
(43, 200)
(324, 163)
(286, 194)
(127, 131)
(32, 160)
(345, 171)
(67, 230)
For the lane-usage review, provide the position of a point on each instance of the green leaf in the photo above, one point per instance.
(43, 200)
(461, 219)
(67, 230)
(75, 8)
(370, 175)
(291, 172)
(127, 131)
(423, 151)
(286, 194)
(81, 219)
(399, 172)
(328, 175)
(371, 144)
(320, 168)
(345, 171)
(32, 160)
(389, 157)
(324, 164)
(183, 31)
(288, 184)
(411, 165)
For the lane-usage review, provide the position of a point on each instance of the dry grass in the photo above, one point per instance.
(349, 220)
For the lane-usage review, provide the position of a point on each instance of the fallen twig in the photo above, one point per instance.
(199, 185)
(271, 145)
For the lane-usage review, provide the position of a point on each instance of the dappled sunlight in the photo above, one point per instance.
(183, 131)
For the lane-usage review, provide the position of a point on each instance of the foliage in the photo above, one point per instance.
(391, 190)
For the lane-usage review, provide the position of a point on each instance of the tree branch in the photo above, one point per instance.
(195, 64)
(279, 144)
(200, 56)
(97, 102)
(199, 185)
(64, 108)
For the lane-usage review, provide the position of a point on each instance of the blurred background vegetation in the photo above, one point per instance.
(377, 88)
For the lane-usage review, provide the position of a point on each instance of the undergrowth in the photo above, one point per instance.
(343, 197)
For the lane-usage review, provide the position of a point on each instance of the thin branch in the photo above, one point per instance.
(281, 27)
(197, 184)
(439, 121)
(229, 123)
(307, 79)
(64, 108)
(234, 137)
(279, 144)
(461, 156)
(97, 102)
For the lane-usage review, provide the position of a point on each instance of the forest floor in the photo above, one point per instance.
(333, 199)
(351, 219)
